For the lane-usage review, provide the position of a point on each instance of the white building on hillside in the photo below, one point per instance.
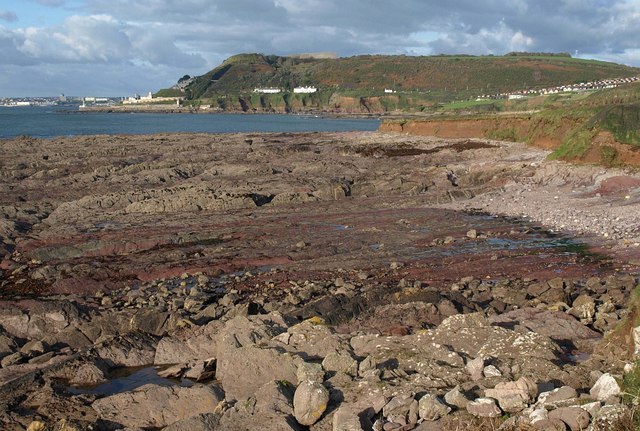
(305, 90)
(267, 90)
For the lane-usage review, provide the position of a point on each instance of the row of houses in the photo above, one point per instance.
(596, 85)
(583, 86)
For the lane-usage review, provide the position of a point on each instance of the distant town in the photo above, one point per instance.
(61, 100)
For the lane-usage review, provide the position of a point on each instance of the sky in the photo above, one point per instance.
(122, 47)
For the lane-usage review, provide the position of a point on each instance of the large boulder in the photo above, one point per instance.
(274, 398)
(475, 336)
(346, 418)
(558, 326)
(310, 371)
(247, 358)
(559, 397)
(43, 319)
(456, 398)
(484, 407)
(189, 345)
(341, 362)
(88, 374)
(251, 330)
(244, 369)
(131, 350)
(309, 402)
(583, 308)
(104, 327)
(475, 367)
(430, 408)
(576, 418)
(605, 387)
(403, 408)
(70, 336)
(410, 354)
(153, 406)
(514, 396)
(313, 339)
(150, 321)
(270, 409)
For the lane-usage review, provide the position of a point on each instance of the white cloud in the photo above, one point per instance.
(495, 40)
(92, 39)
(97, 39)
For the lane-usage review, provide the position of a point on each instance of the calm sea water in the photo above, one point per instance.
(54, 121)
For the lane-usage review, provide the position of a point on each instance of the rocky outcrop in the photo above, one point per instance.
(157, 406)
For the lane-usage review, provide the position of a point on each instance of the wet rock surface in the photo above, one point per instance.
(317, 281)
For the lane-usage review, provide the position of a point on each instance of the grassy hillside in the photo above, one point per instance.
(610, 113)
(444, 78)
(590, 127)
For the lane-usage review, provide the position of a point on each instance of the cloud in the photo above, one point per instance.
(193, 36)
(96, 39)
(494, 40)
(189, 32)
(6, 15)
(92, 39)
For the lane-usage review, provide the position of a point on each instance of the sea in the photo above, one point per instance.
(51, 121)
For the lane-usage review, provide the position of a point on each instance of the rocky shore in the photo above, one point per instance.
(338, 281)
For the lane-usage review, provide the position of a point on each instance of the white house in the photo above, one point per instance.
(389, 90)
(305, 89)
(267, 90)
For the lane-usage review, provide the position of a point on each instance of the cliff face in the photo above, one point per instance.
(508, 128)
(459, 128)
(599, 146)
(328, 102)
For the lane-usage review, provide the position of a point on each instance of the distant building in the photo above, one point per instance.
(305, 90)
(149, 99)
(389, 90)
(267, 90)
